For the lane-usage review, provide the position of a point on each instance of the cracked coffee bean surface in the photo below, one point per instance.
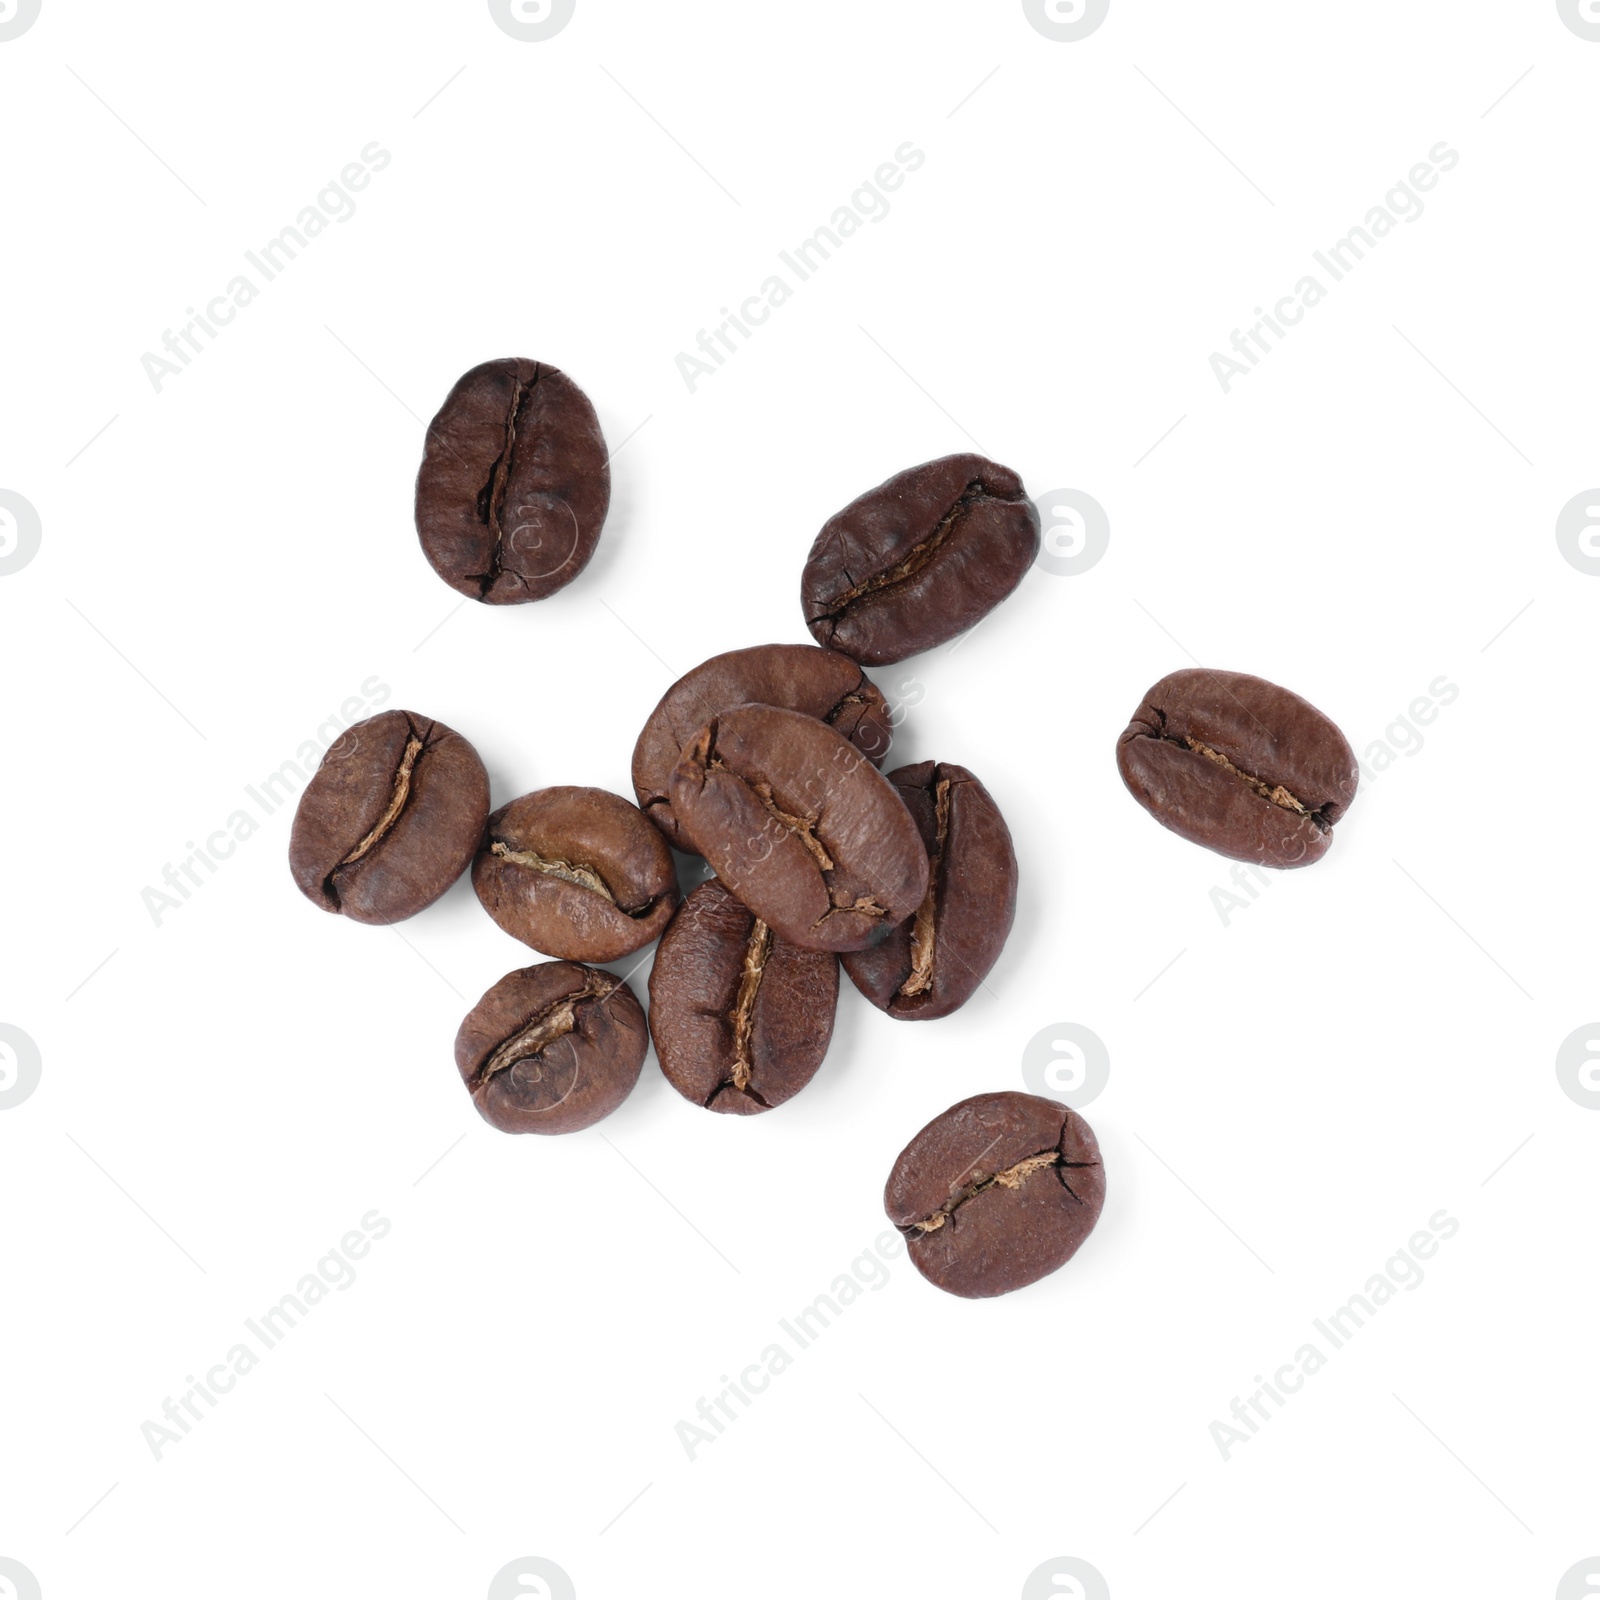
(996, 1193)
(741, 1018)
(552, 1048)
(576, 873)
(801, 827)
(798, 677)
(514, 483)
(933, 962)
(1240, 766)
(919, 559)
(390, 819)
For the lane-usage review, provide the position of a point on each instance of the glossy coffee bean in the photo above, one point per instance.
(801, 827)
(514, 483)
(552, 1048)
(741, 1018)
(390, 819)
(935, 961)
(798, 677)
(1238, 765)
(576, 873)
(919, 559)
(996, 1193)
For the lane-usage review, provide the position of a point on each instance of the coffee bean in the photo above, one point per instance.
(996, 1192)
(576, 873)
(1238, 765)
(514, 483)
(919, 559)
(741, 1018)
(390, 819)
(799, 677)
(800, 826)
(552, 1048)
(935, 961)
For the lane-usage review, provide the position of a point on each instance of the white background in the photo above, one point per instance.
(1292, 1094)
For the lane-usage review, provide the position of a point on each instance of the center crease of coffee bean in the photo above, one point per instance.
(542, 1029)
(399, 793)
(555, 867)
(1012, 1178)
(492, 497)
(924, 930)
(1276, 793)
(757, 948)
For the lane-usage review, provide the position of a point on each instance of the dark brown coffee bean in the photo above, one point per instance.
(390, 819)
(996, 1193)
(1238, 765)
(514, 483)
(919, 559)
(741, 1018)
(800, 826)
(576, 873)
(935, 961)
(799, 677)
(552, 1048)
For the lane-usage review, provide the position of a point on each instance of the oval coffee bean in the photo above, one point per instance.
(1238, 765)
(552, 1048)
(514, 483)
(919, 559)
(799, 677)
(996, 1193)
(801, 827)
(576, 873)
(390, 819)
(934, 962)
(741, 1018)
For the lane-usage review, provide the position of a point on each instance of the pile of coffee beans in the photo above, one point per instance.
(765, 762)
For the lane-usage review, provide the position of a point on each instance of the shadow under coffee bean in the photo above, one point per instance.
(996, 1193)
(552, 1048)
(1240, 766)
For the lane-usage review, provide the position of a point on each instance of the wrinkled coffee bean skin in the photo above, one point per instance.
(1240, 766)
(390, 819)
(552, 1048)
(514, 483)
(935, 961)
(576, 873)
(996, 1193)
(798, 677)
(919, 559)
(741, 1018)
(800, 827)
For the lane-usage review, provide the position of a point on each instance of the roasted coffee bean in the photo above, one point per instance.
(935, 961)
(1238, 765)
(576, 873)
(552, 1048)
(799, 677)
(740, 1017)
(390, 819)
(996, 1193)
(514, 483)
(919, 559)
(800, 826)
